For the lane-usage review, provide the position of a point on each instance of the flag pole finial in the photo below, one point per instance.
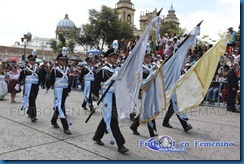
(159, 12)
(199, 24)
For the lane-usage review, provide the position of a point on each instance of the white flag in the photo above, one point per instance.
(128, 83)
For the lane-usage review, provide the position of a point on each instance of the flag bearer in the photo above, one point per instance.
(109, 121)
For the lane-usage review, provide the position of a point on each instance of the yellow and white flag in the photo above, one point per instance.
(193, 86)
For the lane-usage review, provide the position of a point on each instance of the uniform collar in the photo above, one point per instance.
(111, 66)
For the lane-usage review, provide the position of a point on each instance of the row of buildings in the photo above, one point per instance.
(126, 12)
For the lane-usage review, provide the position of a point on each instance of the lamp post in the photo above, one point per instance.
(25, 39)
(42, 45)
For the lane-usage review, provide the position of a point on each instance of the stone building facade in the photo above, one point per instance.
(126, 11)
(145, 18)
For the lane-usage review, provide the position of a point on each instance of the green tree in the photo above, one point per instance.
(62, 39)
(59, 47)
(53, 45)
(171, 29)
(104, 27)
(71, 45)
(88, 37)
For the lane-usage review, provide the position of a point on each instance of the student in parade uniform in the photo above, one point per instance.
(109, 102)
(148, 70)
(87, 74)
(31, 76)
(59, 79)
(182, 117)
(173, 109)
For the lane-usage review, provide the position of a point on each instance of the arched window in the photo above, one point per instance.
(129, 18)
(119, 16)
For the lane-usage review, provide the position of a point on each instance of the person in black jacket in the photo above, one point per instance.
(87, 74)
(59, 79)
(43, 77)
(232, 87)
(109, 102)
(171, 110)
(148, 70)
(32, 78)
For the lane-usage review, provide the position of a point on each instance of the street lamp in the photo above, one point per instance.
(42, 45)
(25, 39)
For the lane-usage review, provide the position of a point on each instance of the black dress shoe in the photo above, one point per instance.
(167, 125)
(33, 119)
(132, 116)
(188, 128)
(99, 142)
(55, 125)
(67, 131)
(84, 106)
(135, 131)
(122, 149)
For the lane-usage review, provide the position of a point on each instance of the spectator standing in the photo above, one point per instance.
(232, 87)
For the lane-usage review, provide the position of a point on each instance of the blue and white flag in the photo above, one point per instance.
(156, 96)
(128, 82)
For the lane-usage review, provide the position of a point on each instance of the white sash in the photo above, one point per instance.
(63, 73)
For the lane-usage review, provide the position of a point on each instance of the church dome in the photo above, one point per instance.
(29, 35)
(66, 22)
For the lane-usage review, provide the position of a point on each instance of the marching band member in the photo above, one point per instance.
(87, 73)
(109, 121)
(148, 72)
(31, 76)
(59, 79)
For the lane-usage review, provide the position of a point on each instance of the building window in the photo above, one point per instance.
(129, 18)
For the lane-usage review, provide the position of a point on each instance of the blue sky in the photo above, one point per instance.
(40, 17)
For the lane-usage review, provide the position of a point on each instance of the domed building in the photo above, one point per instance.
(145, 18)
(66, 27)
(171, 17)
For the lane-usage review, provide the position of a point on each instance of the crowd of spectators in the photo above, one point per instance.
(161, 49)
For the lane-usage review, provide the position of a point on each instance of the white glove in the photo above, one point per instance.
(95, 106)
(17, 87)
(113, 77)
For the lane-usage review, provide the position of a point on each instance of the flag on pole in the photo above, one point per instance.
(193, 86)
(127, 84)
(157, 94)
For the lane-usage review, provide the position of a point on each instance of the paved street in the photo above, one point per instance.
(23, 140)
